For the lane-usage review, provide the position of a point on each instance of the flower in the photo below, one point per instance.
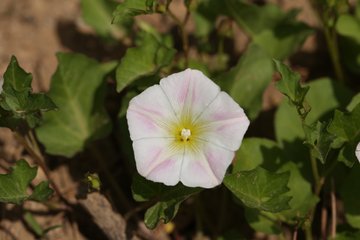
(185, 129)
(357, 151)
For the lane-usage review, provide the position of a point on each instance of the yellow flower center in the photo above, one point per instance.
(185, 134)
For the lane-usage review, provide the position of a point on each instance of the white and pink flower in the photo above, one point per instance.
(357, 151)
(185, 129)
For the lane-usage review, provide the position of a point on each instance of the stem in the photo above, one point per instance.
(137, 209)
(330, 37)
(308, 232)
(315, 171)
(183, 33)
(319, 181)
(332, 43)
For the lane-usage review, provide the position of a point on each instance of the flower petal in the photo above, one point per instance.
(357, 151)
(158, 161)
(149, 114)
(225, 123)
(189, 92)
(205, 168)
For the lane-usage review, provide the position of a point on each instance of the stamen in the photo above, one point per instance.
(185, 134)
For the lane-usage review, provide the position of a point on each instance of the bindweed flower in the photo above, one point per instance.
(185, 129)
(357, 151)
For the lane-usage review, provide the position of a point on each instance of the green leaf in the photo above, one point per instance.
(254, 152)
(347, 236)
(168, 199)
(278, 33)
(346, 127)
(301, 192)
(146, 59)
(13, 186)
(350, 194)
(267, 154)
(348, 27)
(164, 211)
(323, 96)
(301, 202)
(18, 105)
(205, 16)
(128, 9)
(78, 88)
(290, 86)
(203, 25)
(262, 221)
(354, 102)
(260, 189)
(319, 140)
(98, 14)
(41, 192)
(347, 153)
(245, 83)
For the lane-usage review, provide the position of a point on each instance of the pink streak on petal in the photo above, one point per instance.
(155, 162)
(189, 90)
(149, 110)
(222, 114)
(152, 156)
(196, 172)
(162, 168)
(147, 122)
(225, 122)
(167, 171)
(183, 90)
(148, 114)
(218, 159)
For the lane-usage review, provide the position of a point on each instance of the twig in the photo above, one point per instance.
(295, 234)
(324, 216)
(333, 210)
